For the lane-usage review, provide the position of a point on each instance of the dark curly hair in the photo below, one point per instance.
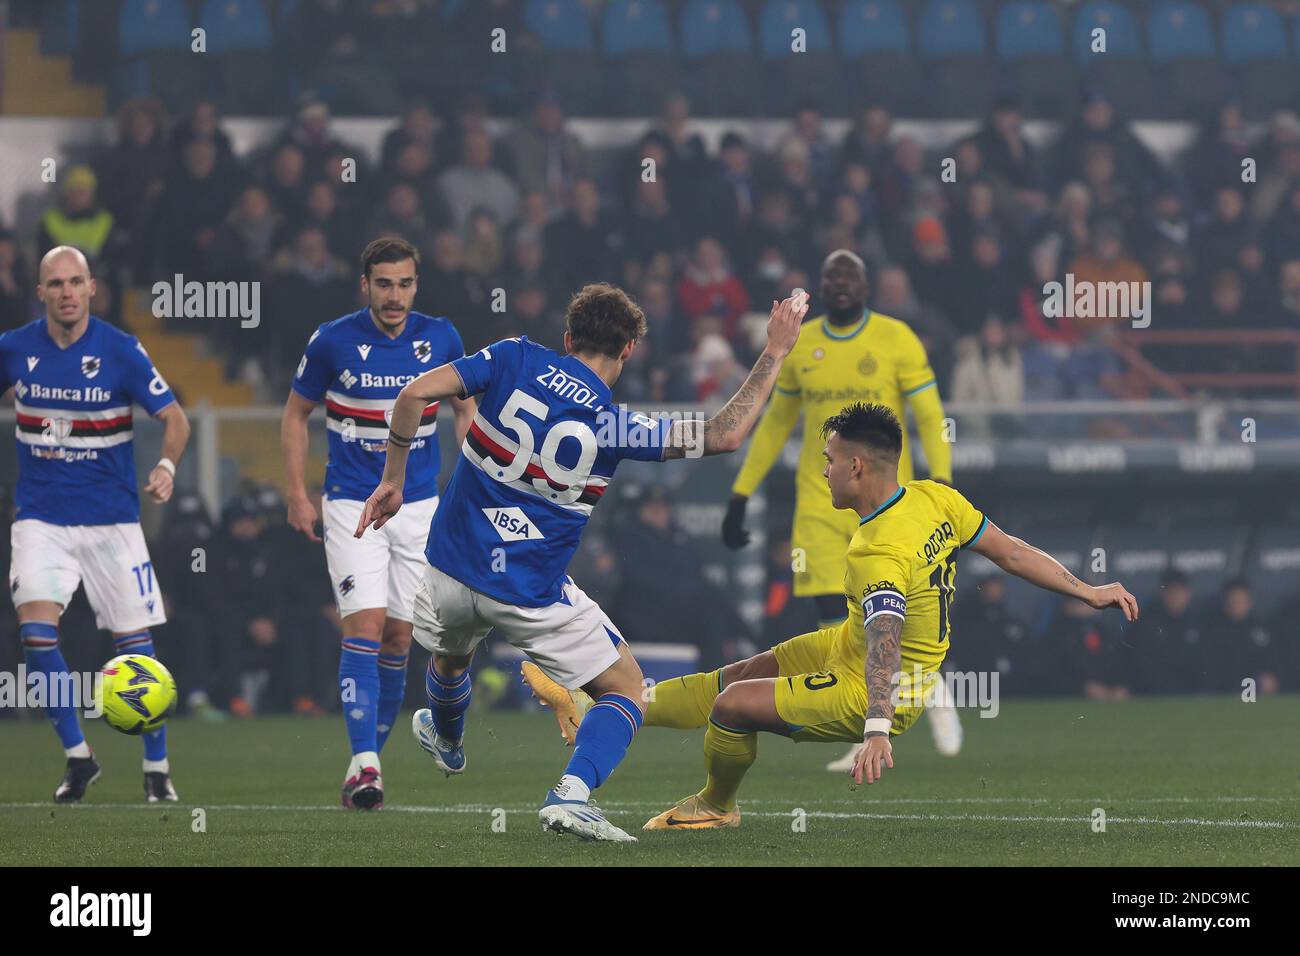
(602, 318)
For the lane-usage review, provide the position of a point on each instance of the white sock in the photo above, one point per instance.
(81, 750)
(367, 758)
(157, 766)
(571, 789)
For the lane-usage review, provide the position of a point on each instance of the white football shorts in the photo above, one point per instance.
(112, 560)
(381, 568)
(573, 640)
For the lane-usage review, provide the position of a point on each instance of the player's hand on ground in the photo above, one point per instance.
(302, 517)
(1114, 595)
(734, 535)
(876, 754)
(783, 324)
(160, 485)
(380, 506)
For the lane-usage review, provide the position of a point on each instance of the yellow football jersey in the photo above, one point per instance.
(903, 561)
(878, 360)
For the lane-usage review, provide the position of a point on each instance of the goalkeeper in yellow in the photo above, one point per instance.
(867, 678)
(849, 354)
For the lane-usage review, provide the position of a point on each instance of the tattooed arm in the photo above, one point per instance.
(1038, 567)
(727, 430)
(884, 653)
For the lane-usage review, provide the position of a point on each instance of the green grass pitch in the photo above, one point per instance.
(1202, 781)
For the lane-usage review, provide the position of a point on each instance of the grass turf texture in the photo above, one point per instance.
(1183, 781)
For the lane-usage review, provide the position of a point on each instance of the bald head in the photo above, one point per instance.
(65, 286)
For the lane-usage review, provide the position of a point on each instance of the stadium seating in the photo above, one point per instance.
(789, 78)
(875, 47)
(640, 67)
(570, 64)
(1183, 50)
(153, 40)
(1123, 71)
(239, 36)
(1255, 47)
(952, 43)
(1030, 41)
(717, 45)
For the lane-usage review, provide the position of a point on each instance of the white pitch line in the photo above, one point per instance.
(477, 809)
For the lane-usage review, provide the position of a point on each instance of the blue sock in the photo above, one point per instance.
(392, 689)
(448, 700)
(359, 692)
(141, 642)
(41, 652)
(603, 739)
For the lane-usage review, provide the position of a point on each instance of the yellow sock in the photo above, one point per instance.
(684, 702)
(727, 756)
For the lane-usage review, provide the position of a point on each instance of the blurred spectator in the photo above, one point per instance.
(307, 286)
(1238, 645)
(418, 127)
(894, 297)
(324, 210)
(285, 180)
(710, 288)
(484, 249)
(1010, 160)
(328, 51)
(582, 246)
(650, 546)
(992, 638)
(202, 122)
(1106, 261)
(134, 172)
(653, 226)
(15, 283)
(1165, 647)
(446, 282)
(78, 220)
(1082, 658)
(1215, 158)
(413, 165)
(1278, 170)
(244, 243)
(1226, 231)
(547, 157)
(401, 215)
(1288, 316)
(474, 182)
(715, 372)
(986, 286)
(730, 194)
(1096, 123)
(988, 369)
(191, 208)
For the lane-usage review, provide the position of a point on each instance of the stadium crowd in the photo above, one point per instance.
(532, 213)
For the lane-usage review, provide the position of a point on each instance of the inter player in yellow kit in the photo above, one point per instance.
(867, 678)
(850, 354)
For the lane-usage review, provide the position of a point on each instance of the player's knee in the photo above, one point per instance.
(367, 625)
(450, 667)
(729, 709)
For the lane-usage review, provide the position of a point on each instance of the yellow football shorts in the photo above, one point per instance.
(822, 695)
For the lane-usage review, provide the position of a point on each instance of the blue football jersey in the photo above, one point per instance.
(76, 457)
(541, 451)
(358, 371)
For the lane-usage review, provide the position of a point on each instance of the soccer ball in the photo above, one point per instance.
(137, 694)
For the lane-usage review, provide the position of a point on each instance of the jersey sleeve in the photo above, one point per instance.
(914, 372)
(768, 439)
(478, 371)
(969, 521)
(633, 435)
(314, 370)
(143, 382)
(880, 582)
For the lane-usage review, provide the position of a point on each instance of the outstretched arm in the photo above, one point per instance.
(1036, 566)
(728, 429)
